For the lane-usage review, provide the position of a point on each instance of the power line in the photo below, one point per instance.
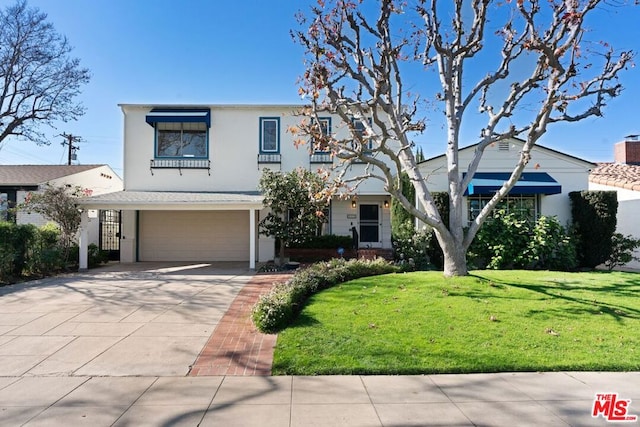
(70, 140)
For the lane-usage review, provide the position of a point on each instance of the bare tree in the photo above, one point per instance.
(38, 78)
(364, 61)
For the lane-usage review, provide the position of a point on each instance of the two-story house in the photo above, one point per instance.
(191, 178)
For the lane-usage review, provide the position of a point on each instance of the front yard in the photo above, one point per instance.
(419, 323)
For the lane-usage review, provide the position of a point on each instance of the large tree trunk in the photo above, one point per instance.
(455, 261)
(455, 255)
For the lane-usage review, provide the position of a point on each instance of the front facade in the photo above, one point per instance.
(191, 178)
(16, 181)
(542, 189)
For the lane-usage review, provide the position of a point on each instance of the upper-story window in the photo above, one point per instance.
(269, 134)
(181, 140)
(325, 128)
(361, 131)
(180, 133)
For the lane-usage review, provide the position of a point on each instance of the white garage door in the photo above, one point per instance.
(194, 236)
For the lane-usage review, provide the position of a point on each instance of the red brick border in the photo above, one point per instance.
(235, 347)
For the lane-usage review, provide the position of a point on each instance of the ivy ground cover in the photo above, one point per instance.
(490, 321)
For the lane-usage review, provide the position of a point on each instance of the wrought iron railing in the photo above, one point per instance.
(180, 164)
(269, 158)
(321, 158)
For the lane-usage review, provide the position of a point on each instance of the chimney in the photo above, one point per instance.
(628, 151)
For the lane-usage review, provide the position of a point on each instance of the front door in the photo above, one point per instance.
(109, 233)
(370, 226)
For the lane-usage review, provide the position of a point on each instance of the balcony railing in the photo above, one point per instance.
(180, 164)
(321, 158)
(269, 158)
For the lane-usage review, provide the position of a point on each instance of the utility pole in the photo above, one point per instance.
(70, 140)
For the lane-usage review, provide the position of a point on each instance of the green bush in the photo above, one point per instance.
(96, 256)
(434, 251)
(508, 241)
(276, 309)
(46, 254)
(327, 241)
(622, 248)
(410, 247)
(15, 246)
(594, 220)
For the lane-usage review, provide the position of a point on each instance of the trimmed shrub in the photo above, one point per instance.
(15, 246)
(594, 220)
(275, 310)
(399, 214)
(327, 241)
(434, 251)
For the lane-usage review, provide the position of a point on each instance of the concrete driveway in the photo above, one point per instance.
(143, 319)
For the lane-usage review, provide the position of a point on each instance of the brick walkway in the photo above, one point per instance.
(235, 347)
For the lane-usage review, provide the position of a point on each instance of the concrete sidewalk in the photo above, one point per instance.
(113, 347)
(509, 399)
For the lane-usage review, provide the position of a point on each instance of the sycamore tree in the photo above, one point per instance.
(39, 80)
(296, 203)
(387, 67)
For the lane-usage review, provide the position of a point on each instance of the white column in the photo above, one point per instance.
(84, 240)
(252, 239)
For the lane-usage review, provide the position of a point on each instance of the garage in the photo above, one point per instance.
(194, 235)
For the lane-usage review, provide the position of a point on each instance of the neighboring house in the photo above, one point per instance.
(542, 189)
(191, 178)
(16, 181)
(623, 176)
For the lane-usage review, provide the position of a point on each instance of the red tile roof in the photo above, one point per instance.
(37, 174)
(616, 175)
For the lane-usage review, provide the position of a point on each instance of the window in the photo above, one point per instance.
(360, 130)
(269, 134)
(325, 127)
(526, 205)
(183, 139)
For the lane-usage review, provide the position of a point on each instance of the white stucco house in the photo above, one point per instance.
(542, 189)
(16, 181)
(191, 176)
(623, 177)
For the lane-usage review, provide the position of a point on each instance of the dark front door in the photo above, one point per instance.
(369, 225)
(110, 233)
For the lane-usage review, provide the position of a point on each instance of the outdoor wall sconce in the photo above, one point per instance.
(353, 203)
(386, 203)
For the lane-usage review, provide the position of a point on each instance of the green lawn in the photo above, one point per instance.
(490, 321)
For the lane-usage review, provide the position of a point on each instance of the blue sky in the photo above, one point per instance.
(213, 51)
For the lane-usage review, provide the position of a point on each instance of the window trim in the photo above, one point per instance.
(369, 146)
(537, 203)
(155, 144)
(328, 120)
(262, 121)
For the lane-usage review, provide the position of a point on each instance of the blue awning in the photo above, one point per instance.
(200, 115)
(529, 183)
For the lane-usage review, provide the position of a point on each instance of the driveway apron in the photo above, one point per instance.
(143, 319)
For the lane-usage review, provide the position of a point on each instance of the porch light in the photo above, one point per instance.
(353, 203)
(386, 203)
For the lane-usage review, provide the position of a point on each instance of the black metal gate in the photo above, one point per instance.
(110, 233)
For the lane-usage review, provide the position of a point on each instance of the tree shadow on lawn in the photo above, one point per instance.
(627, 288)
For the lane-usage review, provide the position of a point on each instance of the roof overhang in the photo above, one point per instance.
(173, 200)
(168, 115)
(530, 183)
